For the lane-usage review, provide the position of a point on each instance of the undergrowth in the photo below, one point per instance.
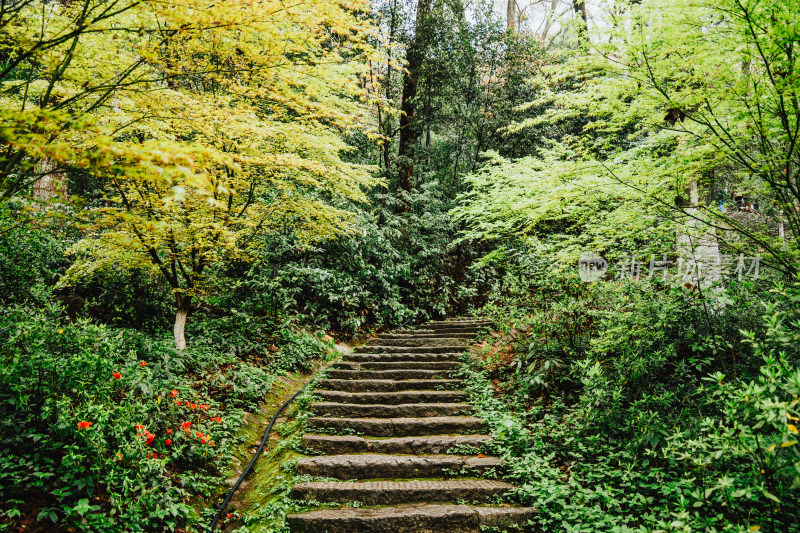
(635, 407)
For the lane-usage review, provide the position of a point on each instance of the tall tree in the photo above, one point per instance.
(512, 13)
(409, 125)
(64, 67)
(579, 6)
(270, 138)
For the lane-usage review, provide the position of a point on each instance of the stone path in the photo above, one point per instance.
(389, 429)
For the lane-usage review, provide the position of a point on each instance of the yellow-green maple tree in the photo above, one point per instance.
(256, 125)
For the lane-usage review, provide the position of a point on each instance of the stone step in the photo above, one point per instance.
(411, 518)
(447, 325)
(447, 330)
(350, 410)
(435, 444)
(396, 365)
(393, 398)
(399, 374)
(421, 334)
(399, 492)
(480, 322)
(403, 357)
(457, 344)
(400, 427)
(409, 349)
(388, 385)
(373, 466)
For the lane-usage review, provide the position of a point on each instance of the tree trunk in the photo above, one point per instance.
(580, 9)
(511, 15)
(409, 130)
(51, 184)
(548, 21)
(183, 304)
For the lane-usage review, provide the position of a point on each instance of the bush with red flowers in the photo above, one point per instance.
(122, 432)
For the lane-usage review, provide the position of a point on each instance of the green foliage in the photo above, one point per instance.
(637, 406)
(393, 268)
(567, 204)
(110, 475)
(127, 298)
(32, 249)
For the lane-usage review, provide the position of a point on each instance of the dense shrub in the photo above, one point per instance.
(643, 406)
(398, 265)
(32, 245)
(107, 429)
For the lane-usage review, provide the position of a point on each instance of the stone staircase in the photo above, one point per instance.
(392, 428)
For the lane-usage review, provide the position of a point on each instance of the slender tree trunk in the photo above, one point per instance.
(580, 9)
(387, 145)
(183, 304)
(511, 15)
(409, 130)
(548, 22)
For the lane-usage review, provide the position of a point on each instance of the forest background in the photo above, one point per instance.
(192, 197)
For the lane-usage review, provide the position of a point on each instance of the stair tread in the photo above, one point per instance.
(396, 405)
(380, 458)
(401, 427)
(403, 357)
(410, 484)
(400, 492)
(353, 410)
(399, 373)
(391, 398)
(381, 466)
(406, 518)
(413, 420)
(338, 444)
(395, 365)
(387, 385)
(454, 439)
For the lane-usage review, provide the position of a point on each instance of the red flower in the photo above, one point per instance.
(143, 364)
(204, 407)
(194, 406)
(202, 441)
(152, 455)
(186, 425)
(178, 402)
(199, 434)
(116, 375)
(150, 437)
(229, 515)
(83, 424)
(169, 431)
(211, 443)
(173, 393)
(168, 441)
